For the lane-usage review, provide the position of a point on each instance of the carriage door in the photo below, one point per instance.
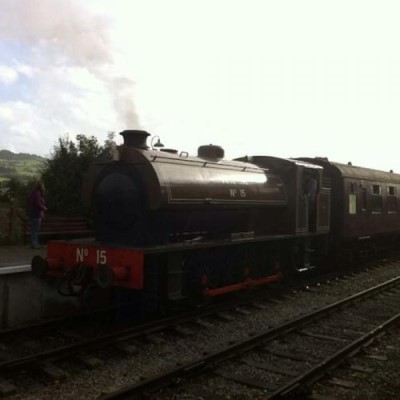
(301, 204)
(309, 183)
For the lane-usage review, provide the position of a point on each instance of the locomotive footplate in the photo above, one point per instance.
(107, 266)
(177, 269)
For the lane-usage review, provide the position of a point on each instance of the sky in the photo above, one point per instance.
(257, 77)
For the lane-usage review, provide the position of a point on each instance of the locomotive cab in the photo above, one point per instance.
(309, 202)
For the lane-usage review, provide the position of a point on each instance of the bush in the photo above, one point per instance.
(63, 173)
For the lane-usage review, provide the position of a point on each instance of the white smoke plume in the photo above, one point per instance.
(70, 34)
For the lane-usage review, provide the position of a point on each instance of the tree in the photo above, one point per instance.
(15, 191)
(64, 170)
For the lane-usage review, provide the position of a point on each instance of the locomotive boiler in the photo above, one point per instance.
(153, 197)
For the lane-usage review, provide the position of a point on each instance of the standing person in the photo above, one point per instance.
(37, 208)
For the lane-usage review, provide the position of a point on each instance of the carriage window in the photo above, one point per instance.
(376, 199)
(391, 200)
(376, 189)
(352, 203)
(363, 199)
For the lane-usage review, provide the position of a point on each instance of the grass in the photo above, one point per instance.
(24, 169)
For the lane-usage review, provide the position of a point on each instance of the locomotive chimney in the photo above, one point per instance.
(135, 138)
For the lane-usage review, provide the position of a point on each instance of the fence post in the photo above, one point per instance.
(11, 223)
(15, 225)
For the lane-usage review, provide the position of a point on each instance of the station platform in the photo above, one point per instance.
(26, 299)
(20, 255)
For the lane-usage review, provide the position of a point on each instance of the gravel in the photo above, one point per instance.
(153, 358)
(380, 384)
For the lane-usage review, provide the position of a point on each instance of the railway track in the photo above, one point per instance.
(70, 338)
(67, 334)
(314, 344)
(80, 349)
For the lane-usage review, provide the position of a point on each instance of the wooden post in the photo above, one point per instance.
(11, 218)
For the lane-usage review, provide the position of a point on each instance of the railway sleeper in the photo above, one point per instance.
(7, 388)
(53, 372)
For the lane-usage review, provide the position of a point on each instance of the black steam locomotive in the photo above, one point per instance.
(181, 227)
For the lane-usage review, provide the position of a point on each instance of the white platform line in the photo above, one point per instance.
(15, 269)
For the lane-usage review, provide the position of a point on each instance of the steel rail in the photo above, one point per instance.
(176, 374)
(127, 333)
(336, 359)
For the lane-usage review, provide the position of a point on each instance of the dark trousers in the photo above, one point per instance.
(35, 227)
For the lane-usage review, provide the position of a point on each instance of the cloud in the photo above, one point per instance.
(24, 69)
(19, 120)
(254, 78)
(8, 75)
(65, 26)
(34, 128)
(74, 84)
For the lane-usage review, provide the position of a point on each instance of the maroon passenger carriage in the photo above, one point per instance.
(365, 212)
(180, 227)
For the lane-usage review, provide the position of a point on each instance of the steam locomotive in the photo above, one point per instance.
(176, 227)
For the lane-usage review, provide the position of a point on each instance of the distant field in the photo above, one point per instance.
(21, 166)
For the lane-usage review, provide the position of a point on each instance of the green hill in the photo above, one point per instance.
(22, 166)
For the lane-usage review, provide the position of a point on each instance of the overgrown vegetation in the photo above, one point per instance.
(62, 173)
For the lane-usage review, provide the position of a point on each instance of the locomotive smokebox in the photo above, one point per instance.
(135, 138)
